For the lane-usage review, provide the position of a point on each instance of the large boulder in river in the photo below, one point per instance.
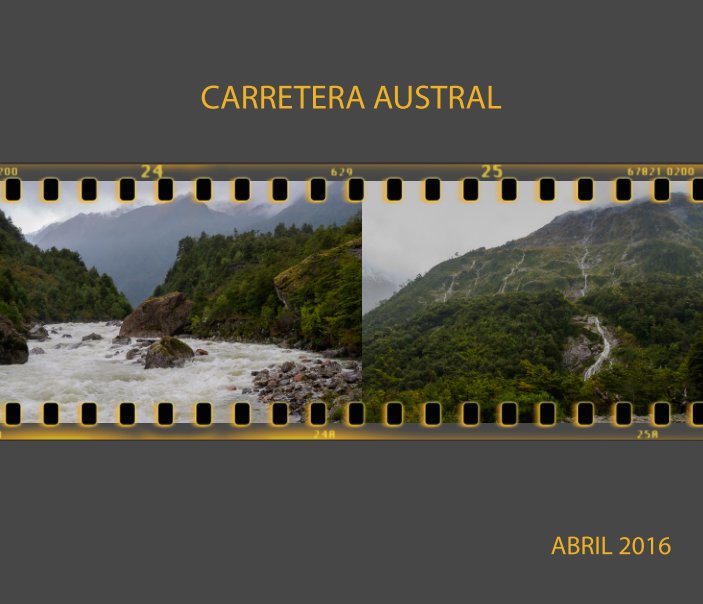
(168, 352)
(156, 317)
(13, 347)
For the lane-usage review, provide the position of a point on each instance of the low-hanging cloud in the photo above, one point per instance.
(31, 214)
(410, 237)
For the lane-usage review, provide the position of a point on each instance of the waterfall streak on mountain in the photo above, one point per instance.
(581, 263)
(511, 273)
(604, 355)
(478, 275)
(448, 292)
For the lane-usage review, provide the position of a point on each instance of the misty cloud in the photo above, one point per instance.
(31, 214)
(410, 237)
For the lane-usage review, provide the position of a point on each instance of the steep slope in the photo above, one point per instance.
(471, 349)
(323, 290)
(601, 305)
(577, 253)
(296, 285)
(52, 285)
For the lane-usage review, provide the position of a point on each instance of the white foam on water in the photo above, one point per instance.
(71, 376)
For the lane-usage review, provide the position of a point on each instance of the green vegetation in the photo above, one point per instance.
(52, 285)
(615, 245)
(511, 323)
(298, 285)
(488, 348)
(659, 325)
(325, 289)
(172, 347)
(511, 347)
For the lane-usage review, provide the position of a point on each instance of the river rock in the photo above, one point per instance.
(168, 352)
(577, 352)
(37, 332)
(201, 353)
(13, 346)
(91, 337)
(37, 350)
(156, 317)
(67, 335)
(133, 353)
(351, 377)
(299, 383)
(122, 340)
(115, 323)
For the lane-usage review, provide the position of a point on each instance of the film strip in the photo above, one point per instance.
(467, 177)
(224, 301)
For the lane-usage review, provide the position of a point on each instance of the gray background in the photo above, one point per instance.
(345, 521)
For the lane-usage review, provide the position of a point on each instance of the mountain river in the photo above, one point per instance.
(98, 371)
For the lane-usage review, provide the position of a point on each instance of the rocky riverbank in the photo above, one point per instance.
(97, 370)
(306, 377)
(298, 383)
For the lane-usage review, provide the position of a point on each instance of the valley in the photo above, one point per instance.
(280, 303)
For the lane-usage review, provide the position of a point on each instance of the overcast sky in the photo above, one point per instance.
(408, 238)
(30, 214)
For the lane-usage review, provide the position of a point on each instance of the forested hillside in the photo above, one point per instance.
(577, 253)
(301, 286)
(524, 348)
(600, 305)
(51, 285)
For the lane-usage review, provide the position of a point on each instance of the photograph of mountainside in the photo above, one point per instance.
(600, 302)
(181, 302)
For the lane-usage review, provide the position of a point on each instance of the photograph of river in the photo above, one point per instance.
(95, 369)
(180, 302)
(529, 301)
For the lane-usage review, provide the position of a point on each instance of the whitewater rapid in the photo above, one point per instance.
(97, 371)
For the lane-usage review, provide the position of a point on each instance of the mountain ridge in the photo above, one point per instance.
(602, 305)
(137, 247)
(575, 253)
